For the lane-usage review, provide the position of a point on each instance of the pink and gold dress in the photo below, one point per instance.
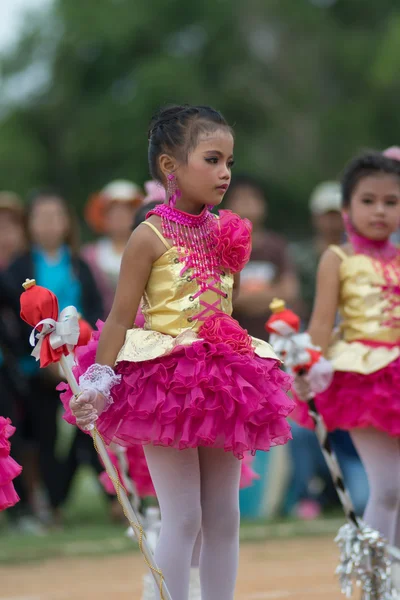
(192, 376)
(365, 391)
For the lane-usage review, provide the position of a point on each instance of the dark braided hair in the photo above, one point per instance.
(370, 163)
(175, 130)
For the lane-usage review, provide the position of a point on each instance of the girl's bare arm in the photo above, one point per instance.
(141, 251)
(326, 300)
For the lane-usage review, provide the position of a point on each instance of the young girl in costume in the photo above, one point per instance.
(361, 280)
(191, 386)
(135, 460)
(9, 469)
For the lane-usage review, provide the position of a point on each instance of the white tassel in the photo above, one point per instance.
(364, 563)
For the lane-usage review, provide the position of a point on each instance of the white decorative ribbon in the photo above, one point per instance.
(63, 331)
(292, 348)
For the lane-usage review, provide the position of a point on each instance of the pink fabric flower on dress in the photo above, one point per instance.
(221, 328)
(233, 240)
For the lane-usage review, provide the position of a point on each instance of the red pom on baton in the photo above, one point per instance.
(39, 308)
(282, 321)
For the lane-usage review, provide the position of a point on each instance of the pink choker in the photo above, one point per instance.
(178, 216)
(383, 250)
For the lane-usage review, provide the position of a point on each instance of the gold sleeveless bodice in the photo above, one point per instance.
(369, 309)
(174, 310)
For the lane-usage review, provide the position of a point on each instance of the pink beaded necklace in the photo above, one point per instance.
(194, 238)
(385, 256)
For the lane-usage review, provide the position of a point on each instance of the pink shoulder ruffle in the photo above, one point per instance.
(233, 241)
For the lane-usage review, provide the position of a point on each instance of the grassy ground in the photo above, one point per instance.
(88, 530)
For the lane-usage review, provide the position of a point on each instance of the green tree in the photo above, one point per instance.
(304, 86)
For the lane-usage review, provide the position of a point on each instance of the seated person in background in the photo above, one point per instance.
(270, 272)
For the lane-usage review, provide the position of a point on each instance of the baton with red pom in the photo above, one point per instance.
(54, 336)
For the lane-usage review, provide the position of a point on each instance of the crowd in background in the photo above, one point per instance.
(39, 239)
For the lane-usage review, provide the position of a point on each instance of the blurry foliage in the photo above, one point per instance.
(305, 87)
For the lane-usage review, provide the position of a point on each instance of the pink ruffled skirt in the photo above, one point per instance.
(358, 401)
(198, 395)
(9, 469)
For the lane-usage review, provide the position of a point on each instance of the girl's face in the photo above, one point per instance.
(375, 206)
(206, 176)
(49, 223)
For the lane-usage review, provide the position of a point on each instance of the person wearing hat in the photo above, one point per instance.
(327, 223)
(12, 230)
(110, 213)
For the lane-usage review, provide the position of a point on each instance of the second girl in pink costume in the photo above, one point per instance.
(192, 385)
(362, 281)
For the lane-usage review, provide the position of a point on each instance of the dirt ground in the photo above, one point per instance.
(299, 569)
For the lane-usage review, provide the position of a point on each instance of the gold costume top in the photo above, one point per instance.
(170, 304)
(369, 308)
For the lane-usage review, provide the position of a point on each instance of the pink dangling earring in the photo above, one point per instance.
(173, 193)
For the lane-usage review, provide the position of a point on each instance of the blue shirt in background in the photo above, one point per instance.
(56, 274)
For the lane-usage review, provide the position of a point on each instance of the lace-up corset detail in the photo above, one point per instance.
(174, 301)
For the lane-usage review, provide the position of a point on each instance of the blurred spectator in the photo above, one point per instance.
(311, 488)
(52, 259)
(155, 194)
(12, 233)
(13, 389)
(13, 384)
(325, 208)
(270, 272)
(110, 213)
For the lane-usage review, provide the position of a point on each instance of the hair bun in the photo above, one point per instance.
(166, 115)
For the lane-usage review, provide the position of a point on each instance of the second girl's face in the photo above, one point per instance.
(375, 206)
(206, 176)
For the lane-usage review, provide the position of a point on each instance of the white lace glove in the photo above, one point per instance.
(96, 384)
(316, 381)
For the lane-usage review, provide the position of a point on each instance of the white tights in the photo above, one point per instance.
(197, 489)
(380, 455)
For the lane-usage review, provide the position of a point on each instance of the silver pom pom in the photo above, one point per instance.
(364, 562)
